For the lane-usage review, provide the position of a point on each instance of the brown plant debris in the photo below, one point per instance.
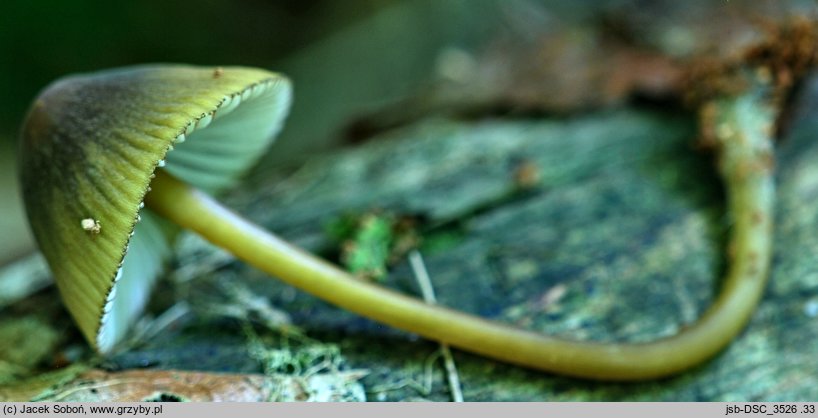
(782, 58)
(185, 386)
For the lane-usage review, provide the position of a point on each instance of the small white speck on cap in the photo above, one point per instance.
(91, 225)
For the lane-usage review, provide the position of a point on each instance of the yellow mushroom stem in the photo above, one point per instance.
(741, 125)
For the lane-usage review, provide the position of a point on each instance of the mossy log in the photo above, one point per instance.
(606, 227)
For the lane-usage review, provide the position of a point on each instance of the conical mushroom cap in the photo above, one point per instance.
(89, 147)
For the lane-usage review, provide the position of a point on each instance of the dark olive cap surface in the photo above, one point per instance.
(89, 147)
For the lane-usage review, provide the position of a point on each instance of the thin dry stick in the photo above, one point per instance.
(425, 283)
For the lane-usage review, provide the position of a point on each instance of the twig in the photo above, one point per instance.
(425, 283)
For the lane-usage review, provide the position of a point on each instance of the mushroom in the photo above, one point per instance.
(95, 147)
(91, 144)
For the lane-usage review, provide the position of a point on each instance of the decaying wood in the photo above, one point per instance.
(618, 238)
